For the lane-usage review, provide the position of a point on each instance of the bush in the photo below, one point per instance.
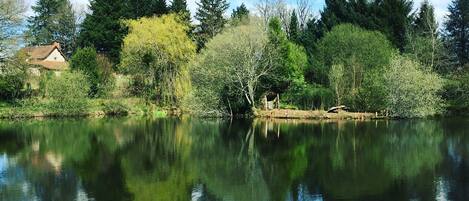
(457, 93)
(68, 92)
(13, 78)
(96, 68)
(115, 108)
(412, 92)
(306, 96)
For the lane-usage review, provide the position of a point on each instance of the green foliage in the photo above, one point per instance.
(11, 18)
(241, 13)
(308, 96)
(456, 30)
(412, 92)
(97, 69)
(391, 17)
(159, 64)
(228, 79)
(13, 78)
(336, 80)
(54, 20)
(456, 93)
(180, 7)
(210, 16)
(424, 23)
(294, 28)
(102, 28)
(359, 51)
(68, 92)
(115, 108)
(289, 63)
(146, 8)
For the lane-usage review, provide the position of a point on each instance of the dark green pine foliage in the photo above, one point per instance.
(310, 36)
(53, 20)
(294, 29)
(180, 7)
(394, 19)
(102, 28)
(240, 13)
(457, 30)
(424, 23)
(210, 16)
(335, 12)
(146, 8)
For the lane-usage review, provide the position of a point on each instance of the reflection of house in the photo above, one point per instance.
(46, 57)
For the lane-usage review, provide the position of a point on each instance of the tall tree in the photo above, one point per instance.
(102, 29)
(240, 13)
(293, 31)
(54, 20)
(180, 7)
(210, 15)
(10, 17)
(457, 28)
(394, 19)
(424, 23)
(146, 8)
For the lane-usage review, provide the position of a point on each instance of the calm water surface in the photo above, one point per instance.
(211, 160)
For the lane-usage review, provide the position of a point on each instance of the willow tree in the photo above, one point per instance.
(156, 52)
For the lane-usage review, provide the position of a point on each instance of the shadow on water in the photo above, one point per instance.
(242, 160)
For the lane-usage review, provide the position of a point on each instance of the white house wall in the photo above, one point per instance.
(55, 56)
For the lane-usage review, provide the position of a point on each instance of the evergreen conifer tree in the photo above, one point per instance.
(240, 13)
(102, 28)
(53, 20)
(293, 31)
(210, 16)
(457, 30)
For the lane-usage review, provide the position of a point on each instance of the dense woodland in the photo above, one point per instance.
(375, 56)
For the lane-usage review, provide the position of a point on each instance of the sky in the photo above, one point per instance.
(441, 6)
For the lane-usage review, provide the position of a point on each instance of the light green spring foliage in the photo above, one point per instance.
(158, 51)
(412, 92)
(68, 91)
(336, 80)
(359, 51)
(232, 62)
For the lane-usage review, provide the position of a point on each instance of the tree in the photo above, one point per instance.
(293, 31)
(423, 41)
(457, 30)
(424, 24)
(10, 18)
(13, 77)
(180, 7)
(84, 61)
(240, 13)
(102, 29)
(54, 20)
(210, 16)
(68, 92)
(394, 19)
(159, 63)
(360, 52)
(238, 69)
(289, 63)
(336, 77)
(412, 92)
(146, 8)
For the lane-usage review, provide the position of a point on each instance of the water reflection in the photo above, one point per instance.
(241, 160)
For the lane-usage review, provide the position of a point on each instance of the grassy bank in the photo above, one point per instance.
(313, 114)
(95, 108)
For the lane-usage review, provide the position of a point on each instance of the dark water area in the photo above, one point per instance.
(240, 160)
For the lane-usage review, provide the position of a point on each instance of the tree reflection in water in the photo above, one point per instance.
(242, 160)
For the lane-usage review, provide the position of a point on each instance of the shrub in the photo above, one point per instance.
(13, 78)
(115, 108)
(307, 96)
(68, 92)
(96, 68)
(412, 92)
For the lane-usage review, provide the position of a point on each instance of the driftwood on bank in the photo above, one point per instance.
(338, 109)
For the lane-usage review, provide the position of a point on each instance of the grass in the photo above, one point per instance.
(95, 108)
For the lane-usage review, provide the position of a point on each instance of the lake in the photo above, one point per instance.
(234, 160)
